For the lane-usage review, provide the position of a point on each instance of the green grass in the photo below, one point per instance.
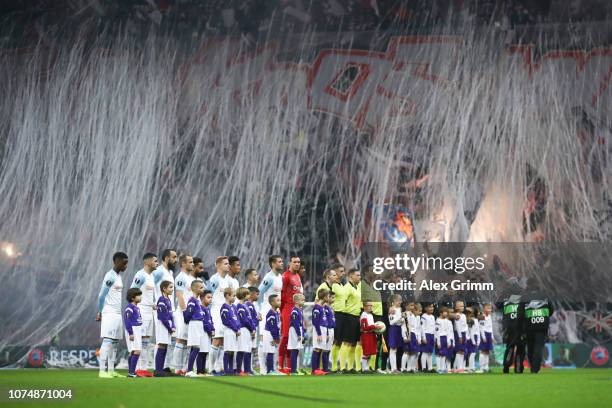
(578, 388)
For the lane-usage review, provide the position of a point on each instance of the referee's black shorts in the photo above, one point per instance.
(340, 325)
(351, 332)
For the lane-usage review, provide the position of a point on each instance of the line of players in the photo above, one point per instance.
(456, 335)
(166, 308)
(414, 334)
(234, 339)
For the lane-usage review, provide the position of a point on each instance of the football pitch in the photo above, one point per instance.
(578, 388)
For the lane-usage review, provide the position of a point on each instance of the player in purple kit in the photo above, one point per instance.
(247, 333)
(231, 330)
(331, 328)
(165, 328)
(209, 329)
(133, 329)
(319, 332)
(193, 316)
(252, 307)
(296, 332)
(271, 335)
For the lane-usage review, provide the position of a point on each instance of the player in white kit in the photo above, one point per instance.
(460, 329)
(145, 281)
(217, 284)
(251, 279)
(486, 338)
(272, 284)
(109, 313)
(183, 294)
(428, 330)
(164, 272)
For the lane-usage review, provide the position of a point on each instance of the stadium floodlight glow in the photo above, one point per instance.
(10, 250)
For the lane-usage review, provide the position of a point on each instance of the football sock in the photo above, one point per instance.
(213, 356)
(239, 360)
(358, 355)
(104, 354)
(193, 355)
(247, 359)
(261, 356)
(112, 355)
(314, 360)
(325, 360)
(335, 353)
(169, 353)
(219, 362)
(393, 359)
(160, 357)
(351, 358)
(177, 356)
(270, 362)
(135, 358)
(440, 363)
(201, 363)
(144, 355)
(344, 349)
(364, 364)
(228, 362)
(294, 360)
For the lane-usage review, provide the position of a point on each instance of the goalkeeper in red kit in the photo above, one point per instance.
(292, 284)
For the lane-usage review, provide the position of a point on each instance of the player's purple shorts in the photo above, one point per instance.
(460, 347)
(487, 343)
(412, 346)
(443, 350)
(395, 337)
(430, 345)
(469, 347)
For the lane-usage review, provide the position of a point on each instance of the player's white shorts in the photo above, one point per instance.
(135, 344)
(315, 342)
(230, 341)
(219, 327)
(148, 328)
(162, 335)
(111, 326)
(294, 342)
(245, 343)
(266, 343)
(181, 327)
(265, 308)
(330, 340)
(197, 337)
